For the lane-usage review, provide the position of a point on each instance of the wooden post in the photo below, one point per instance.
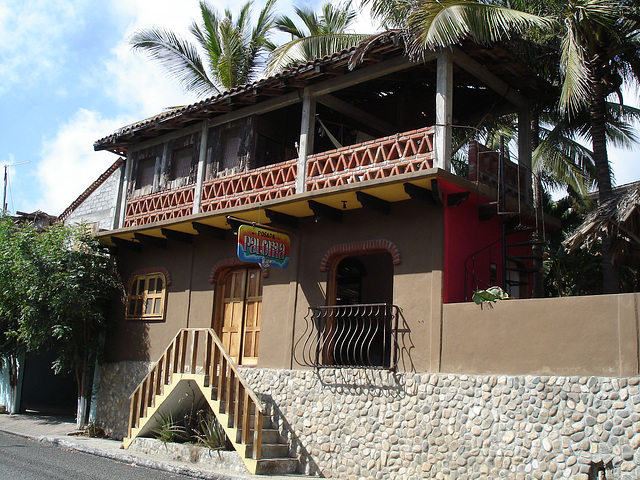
(524, 152)
(257, 441)
(123, 193)
(202, 167)
(305, 147)
(194, 351)
(444, 110)
(246, 418)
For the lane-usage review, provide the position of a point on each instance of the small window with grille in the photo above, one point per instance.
(146, 297)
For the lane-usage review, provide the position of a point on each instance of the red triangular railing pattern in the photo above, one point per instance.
(258, 185)
(160, 206)
(375, 159)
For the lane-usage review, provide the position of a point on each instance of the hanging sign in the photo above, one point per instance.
(266, 247)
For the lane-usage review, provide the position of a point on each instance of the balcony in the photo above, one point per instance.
(375, 159)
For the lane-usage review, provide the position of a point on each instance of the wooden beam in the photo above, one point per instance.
(374, 203)
(177, 235)
(282, 218)
(321, 210)
(365, 74)
(422, 194)
(151, 240)
(436, 191)
(209, 230)
(491, 80)
(357, 114)
(270, 105)
(128, 244)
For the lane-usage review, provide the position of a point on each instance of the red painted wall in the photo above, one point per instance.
(465, 235)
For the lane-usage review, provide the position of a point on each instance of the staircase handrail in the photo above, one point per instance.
(182, 357)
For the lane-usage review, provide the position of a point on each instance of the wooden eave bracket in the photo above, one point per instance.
(208, 230)
(456, 199)
(177, 236)
(374, 203)
(432, 197)
(128, 244)
(283, 219)
(150, 240)
(320, 210)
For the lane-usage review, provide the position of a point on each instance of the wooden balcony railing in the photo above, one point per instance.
(200, 351)
(375, 159)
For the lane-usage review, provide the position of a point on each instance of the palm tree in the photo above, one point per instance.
(594, 44)
(226, 52)
(320, 35)
(599, 49)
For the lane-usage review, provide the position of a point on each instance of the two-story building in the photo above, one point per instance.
(361, 352)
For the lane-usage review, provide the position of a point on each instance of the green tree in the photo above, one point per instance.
(598, 47)
(15, 244)
(319, 36)
(223, 52)
(56, 287)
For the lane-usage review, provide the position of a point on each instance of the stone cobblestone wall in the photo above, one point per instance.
(117, 381)
(100, 206)
(357, 424)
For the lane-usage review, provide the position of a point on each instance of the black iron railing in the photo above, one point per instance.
(364, 336)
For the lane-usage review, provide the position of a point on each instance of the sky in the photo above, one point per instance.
(68, 78)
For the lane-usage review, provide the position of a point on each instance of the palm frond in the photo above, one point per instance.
(575, 92)
(443, 23)
(301, 50)
(178, 56)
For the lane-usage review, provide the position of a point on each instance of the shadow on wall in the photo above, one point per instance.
(129, 341)
(296, 448)
(405, 345)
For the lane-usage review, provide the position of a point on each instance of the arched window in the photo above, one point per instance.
(146, 297)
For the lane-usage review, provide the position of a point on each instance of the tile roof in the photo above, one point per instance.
(381, 47)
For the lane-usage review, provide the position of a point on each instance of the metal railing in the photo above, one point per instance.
(356, 336)
(200, 351)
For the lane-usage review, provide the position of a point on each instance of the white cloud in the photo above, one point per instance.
(33, 33)
(69, 164)
(133, 80)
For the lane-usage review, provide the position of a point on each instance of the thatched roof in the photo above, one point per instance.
(619, 218)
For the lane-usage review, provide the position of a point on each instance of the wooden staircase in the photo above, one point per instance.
(196, 358)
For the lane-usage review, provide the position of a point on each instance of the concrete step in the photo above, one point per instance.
(274, 450)
(277, 466)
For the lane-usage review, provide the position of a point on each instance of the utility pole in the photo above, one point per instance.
(6, 181)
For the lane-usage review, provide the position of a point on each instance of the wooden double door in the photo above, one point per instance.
(239, 306)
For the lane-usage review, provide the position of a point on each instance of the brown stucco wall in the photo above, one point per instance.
(287, 293)
(595, 335)
(189, 301)
(417, 281)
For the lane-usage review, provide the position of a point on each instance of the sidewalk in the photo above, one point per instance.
(60, 431)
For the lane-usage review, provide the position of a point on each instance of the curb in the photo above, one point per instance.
(134, 460)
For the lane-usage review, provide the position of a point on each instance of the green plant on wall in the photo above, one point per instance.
(489, 296)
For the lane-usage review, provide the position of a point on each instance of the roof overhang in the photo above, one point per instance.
(371, 195)
(476, 66)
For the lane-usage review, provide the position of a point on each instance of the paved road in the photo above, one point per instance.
(25, 459)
